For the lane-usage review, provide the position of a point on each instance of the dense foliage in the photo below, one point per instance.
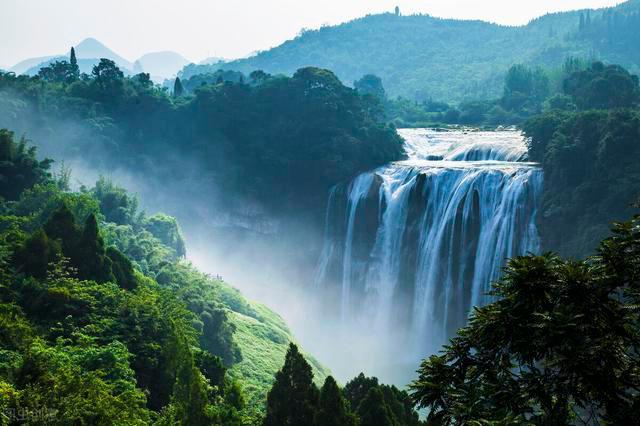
(87, 336)
(302, 134)
(527, 91)
(590, 158)
(295, 400)
(557, 347)
(19, 167)
(603, 87)
(421, 57)
(102, 322)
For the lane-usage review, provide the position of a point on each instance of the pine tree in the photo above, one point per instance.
(293, 398)
(91, 259)
(373, 410)
(190, 389)
(73, 62)
(358, 388)
(122, 269)
(34, 256)
(332, 408)
(62, 226)
(178, 89)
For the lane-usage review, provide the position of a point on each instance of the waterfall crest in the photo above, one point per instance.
(414, 245)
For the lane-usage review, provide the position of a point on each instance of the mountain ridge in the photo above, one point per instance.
(422, 57)
(160, 64)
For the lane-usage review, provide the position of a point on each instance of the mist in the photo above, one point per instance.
(270, 258)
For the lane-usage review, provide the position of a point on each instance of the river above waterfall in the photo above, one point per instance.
(412, 246)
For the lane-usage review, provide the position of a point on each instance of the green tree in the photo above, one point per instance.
(62, 227)
(35, 255)
(116, 204)
(356, 389)
(258, 77)
(603, 87)
(143, 80)
(19, 166)
(166, 229)
(293, 399)
(178, 90)
(122, 269)
(91, 259)
(332, 407)
(525, 89)
(556, 348)
(373, 410)
(73, 65)
(108, 78)
(57, 72)
(370, 85)
(396, 403)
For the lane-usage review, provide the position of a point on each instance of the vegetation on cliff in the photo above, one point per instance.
(590, 155)
(104, 322)
(302, 134)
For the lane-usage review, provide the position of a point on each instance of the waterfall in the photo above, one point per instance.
(414, 245)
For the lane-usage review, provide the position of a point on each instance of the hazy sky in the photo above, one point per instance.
(229, 28)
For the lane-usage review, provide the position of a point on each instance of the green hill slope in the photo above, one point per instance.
(104, 321)
(421, 56)
(263, 338)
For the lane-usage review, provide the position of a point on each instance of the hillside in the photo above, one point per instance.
(424, 57)
(118, 288)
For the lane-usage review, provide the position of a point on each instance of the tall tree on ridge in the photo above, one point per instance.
(92, 261)
(73, 62)
(293, 398)
(178, 89)
(332, 408)
(373, 410)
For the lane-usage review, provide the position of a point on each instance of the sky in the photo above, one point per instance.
(198, 29)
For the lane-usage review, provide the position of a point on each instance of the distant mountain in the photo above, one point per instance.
(22, 66)
(91, 48)
(421, 56)
(161, 65)
(88, 52)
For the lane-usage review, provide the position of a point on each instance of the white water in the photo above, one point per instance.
(447, 218)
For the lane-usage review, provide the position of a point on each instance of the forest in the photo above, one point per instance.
(419, 56)
(264, 131)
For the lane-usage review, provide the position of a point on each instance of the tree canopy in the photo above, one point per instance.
(19, 167)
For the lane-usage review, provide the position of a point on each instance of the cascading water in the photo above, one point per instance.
(411, 247)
